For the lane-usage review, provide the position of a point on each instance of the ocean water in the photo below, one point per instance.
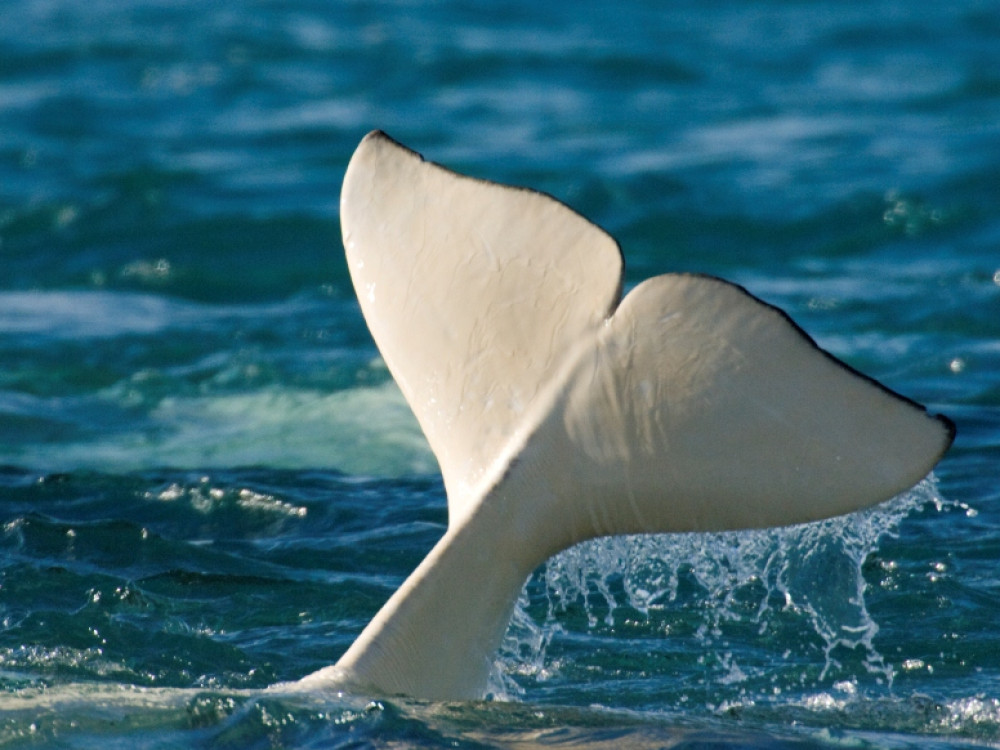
(209, 483)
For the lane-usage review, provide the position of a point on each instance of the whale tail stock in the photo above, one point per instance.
(559, 412)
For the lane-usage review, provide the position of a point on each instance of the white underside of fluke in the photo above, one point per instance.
(559, 413)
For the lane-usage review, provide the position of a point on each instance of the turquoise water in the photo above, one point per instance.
(209, 482)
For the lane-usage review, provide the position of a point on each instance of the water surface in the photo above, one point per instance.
(209, 482)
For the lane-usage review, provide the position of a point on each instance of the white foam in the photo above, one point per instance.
(105, 314)
(363, 431)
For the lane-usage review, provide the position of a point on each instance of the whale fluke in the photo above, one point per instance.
(559, 412)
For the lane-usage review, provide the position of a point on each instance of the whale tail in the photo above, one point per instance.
(559, 412)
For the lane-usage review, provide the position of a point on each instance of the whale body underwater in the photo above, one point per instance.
(559, 411)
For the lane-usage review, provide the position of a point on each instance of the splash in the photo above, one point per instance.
(796, 592)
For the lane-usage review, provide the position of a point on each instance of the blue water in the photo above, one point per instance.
(209, 482)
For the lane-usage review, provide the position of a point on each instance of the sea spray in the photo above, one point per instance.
(803, 585)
